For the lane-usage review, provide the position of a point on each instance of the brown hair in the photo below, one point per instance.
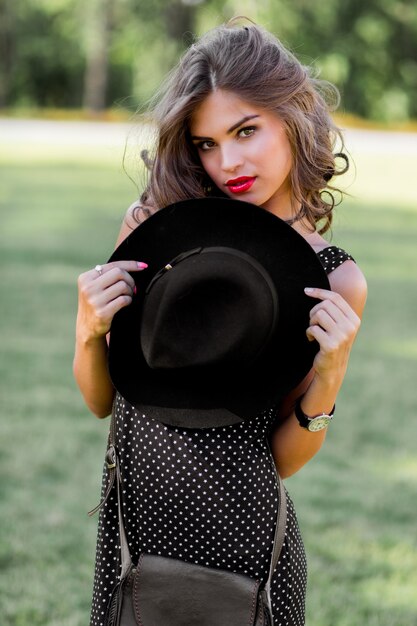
(251, 63)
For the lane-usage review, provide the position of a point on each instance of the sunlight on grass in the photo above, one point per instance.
(44, 154)
(392, 576)
(392, 564)
(407, 349)
(400, 468)
(383, 181)
(381, 577)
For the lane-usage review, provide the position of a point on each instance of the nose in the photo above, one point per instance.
(231, 157)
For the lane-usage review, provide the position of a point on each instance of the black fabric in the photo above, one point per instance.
(174, 592)
(332, 256)
(206, 496)
(198, 397)
(190, 311)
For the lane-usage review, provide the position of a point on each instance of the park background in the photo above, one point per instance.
(72, 74)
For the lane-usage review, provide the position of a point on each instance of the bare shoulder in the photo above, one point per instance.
(135, 215)
(348, 280)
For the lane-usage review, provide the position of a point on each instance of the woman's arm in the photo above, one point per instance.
(334, 323)
(99, 299)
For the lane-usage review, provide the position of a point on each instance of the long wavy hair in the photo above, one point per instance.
(252, 64)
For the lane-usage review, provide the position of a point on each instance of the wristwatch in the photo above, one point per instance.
(313, 424)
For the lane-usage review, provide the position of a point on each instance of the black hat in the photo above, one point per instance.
(217, 331)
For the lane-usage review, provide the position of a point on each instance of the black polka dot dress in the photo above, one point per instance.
(204, 496)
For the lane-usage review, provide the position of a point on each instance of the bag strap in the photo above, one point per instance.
(113, 467)
(125, 558)
(280, 525)
(111, 458)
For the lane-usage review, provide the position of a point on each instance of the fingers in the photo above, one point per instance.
(330, 297)
(317, 333)
(327, 320)
(103, 292)
(128, 266)
(333, 323)
(113, 276)
(111, 273)
(119, 288)
(334, 304)
(112, 307)
(114, 281)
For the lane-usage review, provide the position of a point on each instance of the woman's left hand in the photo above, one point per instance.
(334, 324)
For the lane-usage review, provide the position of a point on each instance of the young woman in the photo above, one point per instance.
(240, 117)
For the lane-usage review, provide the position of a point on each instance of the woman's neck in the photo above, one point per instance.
(306, 230)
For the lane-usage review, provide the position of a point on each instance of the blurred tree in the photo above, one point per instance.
(369, 50)
(99, 26)
(163, 40)
(7, 52)
(43, 60)
(68, 52)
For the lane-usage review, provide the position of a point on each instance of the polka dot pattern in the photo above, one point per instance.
(204, 496)
(332, 256)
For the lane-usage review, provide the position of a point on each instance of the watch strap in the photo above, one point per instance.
(306, 420)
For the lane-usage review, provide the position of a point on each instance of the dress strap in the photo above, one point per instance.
(332, 256)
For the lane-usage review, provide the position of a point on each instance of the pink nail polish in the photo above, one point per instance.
(141, 265)
(134, 290)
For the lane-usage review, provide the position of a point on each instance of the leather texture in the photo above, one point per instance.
(169, 592)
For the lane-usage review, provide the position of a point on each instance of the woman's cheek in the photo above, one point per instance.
(209, 165)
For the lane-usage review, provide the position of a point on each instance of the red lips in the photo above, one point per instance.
(241, 184)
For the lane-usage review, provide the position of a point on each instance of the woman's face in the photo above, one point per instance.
(245, 151)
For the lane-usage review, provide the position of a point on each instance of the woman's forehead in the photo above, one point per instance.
(221, 110)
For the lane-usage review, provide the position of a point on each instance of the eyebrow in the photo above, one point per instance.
(232, 128)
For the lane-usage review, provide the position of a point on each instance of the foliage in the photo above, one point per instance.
(41, 62)
(368, 49)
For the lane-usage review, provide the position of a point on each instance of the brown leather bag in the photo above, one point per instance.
(161, 591)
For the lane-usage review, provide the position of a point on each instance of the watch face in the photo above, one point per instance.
(318, 423)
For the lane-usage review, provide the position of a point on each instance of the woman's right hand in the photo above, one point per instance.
(102, 294)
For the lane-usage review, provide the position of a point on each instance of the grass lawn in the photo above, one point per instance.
(356, 500)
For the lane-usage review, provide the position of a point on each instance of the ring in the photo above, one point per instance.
(99, 269)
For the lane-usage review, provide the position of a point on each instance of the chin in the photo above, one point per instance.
(245, 197)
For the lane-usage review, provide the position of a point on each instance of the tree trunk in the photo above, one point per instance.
(97, 54)
(179, 20)
(7, 30)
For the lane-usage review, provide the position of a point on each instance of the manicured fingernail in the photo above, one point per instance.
(141, 265)
(308, 289)
(134, 290)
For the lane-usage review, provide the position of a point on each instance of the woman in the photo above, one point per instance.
(240, 117)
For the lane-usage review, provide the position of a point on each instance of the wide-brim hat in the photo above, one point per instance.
(217, 331)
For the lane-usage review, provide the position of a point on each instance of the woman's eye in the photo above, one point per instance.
(247, 131)
(205, 145)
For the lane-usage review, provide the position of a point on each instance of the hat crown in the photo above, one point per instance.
(209, 308)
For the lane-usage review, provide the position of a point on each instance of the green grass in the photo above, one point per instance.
(356, 500)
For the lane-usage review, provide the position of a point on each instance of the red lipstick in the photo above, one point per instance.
(241, 184)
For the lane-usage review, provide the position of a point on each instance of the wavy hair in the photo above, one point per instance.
(252, 64)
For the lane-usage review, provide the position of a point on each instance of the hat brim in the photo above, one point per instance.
(196, 399)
